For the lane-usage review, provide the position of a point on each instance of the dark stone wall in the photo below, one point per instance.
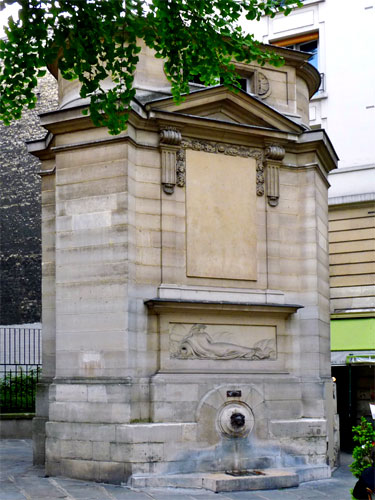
(20, 228)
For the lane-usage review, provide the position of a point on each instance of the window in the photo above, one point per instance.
(308, 47)
(250, 81)
(308, 42)
(253, 82)
(246, 83)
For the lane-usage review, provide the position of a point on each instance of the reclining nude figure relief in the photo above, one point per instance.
(199, 344)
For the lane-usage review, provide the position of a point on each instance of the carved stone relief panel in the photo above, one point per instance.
(222, 342)
(262, 85)
(210, 340)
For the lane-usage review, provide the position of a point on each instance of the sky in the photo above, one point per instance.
(4, 14)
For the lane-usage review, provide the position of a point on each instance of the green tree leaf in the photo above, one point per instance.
(92, 40)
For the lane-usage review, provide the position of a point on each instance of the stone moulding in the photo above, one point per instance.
(44, 173)
(219, 148)
(181, 167)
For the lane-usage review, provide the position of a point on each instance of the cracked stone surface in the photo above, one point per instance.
(20, 480)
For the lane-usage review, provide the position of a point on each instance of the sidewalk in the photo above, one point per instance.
(20, 480)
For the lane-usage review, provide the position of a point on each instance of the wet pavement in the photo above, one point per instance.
(20, 480)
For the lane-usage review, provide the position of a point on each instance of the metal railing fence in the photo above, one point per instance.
(20, 368)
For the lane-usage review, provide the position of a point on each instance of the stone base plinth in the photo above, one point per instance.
(268, 479)
(94, 431)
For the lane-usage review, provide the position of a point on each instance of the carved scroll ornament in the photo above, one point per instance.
(170, 136)
(274, 152)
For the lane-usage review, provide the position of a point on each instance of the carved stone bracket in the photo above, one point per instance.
(170, 140)
(222, 148)
(274, 152)
(170, 136)
(274, 155)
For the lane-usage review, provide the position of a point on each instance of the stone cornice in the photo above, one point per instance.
(299, 60)
(203, 98)
(64, 121)
(311, 76)
(351, 199)
(158, 305)
(41, 148)
(317, 141)
(201, 121)
(211, 129)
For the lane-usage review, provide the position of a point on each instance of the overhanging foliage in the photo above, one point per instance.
(94, 39)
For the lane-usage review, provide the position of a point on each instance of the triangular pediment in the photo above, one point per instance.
(221, 104)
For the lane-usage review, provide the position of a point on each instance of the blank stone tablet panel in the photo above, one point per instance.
(221, 203)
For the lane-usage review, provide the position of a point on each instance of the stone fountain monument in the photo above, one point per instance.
(185, 286)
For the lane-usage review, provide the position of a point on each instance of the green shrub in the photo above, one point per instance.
(17, 391)
(364, 434)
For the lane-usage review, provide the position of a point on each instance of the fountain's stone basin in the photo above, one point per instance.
(268, 479)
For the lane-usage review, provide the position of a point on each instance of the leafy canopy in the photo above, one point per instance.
(94, 39)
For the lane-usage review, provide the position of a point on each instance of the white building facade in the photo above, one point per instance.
(341, 38)
(345, 39)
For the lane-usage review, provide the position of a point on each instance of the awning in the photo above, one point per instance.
(362, 359)
(353, 334)
(344, 358)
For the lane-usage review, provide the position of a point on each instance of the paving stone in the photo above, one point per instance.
(87, 492)
(240, 495)
(123, 493)
(37, 488)
(169, 495)
(8, 491)
(327, 490)
(313, 494)
(209, 496)
(285, 494)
